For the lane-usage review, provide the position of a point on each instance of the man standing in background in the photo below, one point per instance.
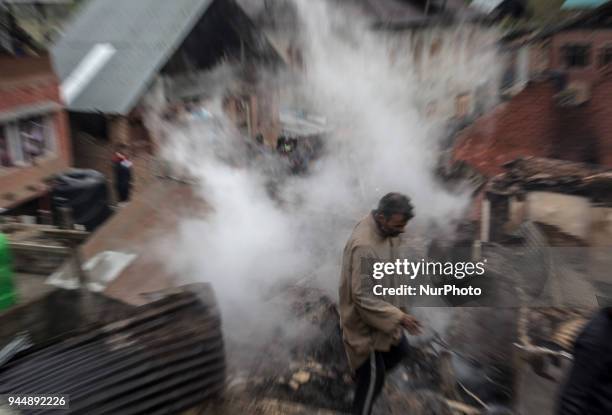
(372, 328)
(122, 168)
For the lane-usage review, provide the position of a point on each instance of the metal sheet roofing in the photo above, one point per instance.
(144, 34)
(168, 356)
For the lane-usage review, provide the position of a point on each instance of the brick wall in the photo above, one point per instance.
(523, 126)
(597, 39)
(28, 92)
(119, 130)
(574, 135)
(24, 183)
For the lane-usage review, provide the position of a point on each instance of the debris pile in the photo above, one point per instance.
(309, 369)
(308, 374)
(553, 328)
(537, 173)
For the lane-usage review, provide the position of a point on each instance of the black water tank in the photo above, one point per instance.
(85, 192)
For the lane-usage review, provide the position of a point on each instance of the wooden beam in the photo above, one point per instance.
(71, 234)
(39, 249)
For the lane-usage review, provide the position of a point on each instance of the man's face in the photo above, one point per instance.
(393, 225)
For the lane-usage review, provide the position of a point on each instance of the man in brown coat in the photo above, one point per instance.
(372, 328)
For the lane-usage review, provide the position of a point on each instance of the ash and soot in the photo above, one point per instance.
(271, 243)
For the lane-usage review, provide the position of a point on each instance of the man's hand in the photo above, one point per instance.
(411, 324)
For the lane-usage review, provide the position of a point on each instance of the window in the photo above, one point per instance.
(605, 57)
(25, 140)
(32, 138)
(576, 56)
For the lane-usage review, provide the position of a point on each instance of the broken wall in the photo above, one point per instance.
(571, 214)
(601, 226)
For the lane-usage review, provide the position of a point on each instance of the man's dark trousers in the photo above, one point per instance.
(371, 376)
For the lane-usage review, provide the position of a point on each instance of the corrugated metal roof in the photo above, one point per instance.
(166, 357)
(144, 33)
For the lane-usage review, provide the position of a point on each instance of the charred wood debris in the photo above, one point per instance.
(453, 371)
(446, 374)
(309, 374)
(537, 173)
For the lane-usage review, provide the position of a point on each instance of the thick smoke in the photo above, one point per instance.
(374, 95)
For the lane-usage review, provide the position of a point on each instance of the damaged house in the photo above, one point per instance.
(576, 50)
(565, 206)
(110, 61)
(558, 104)
(34, 136)
(549, 222)
(574, 198)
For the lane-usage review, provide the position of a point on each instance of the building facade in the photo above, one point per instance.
(578, 51)
(34, 134)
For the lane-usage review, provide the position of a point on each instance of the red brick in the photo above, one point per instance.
(23, 93)
(522, 126)
(532, 124)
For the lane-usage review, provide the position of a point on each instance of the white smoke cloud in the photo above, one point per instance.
(371, 92)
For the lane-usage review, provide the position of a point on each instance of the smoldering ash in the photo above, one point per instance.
(383, 102)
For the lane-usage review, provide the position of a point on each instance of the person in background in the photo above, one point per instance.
(588, 388)
(372, 328)
(122, 167)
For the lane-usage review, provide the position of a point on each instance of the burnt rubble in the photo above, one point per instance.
(308, 374)
(309, 369)
(537, 173)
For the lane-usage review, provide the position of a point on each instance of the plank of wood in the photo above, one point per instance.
(74, 235)
(38, 248)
